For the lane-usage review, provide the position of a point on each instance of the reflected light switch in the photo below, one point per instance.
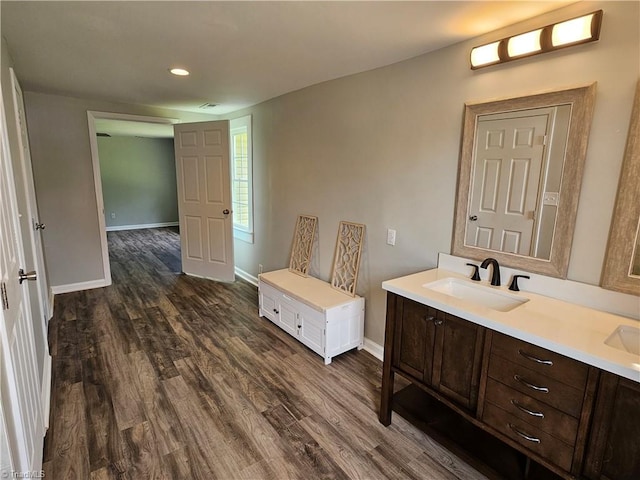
(550, 198)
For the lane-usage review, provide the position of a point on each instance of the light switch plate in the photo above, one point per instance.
(391, 236)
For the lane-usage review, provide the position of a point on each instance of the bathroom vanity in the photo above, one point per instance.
(519, 373)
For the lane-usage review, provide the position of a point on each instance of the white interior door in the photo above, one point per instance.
(19, 385)
(509, 155)
(36, 227)
(204, 199)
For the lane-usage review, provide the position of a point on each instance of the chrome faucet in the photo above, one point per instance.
(495, 277)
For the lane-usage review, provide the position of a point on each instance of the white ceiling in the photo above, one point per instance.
(239, 53)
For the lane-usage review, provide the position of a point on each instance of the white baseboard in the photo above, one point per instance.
(76, 287)
(374, 349)
(45, 392)
(246, 276)
(117, 228)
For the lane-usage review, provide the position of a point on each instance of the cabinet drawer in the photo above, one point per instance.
(537, 414)
(538, 441)
(539, 386)
(538, 359)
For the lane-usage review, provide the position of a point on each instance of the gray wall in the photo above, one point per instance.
(138, 180)
(59, 138)
(380, 148)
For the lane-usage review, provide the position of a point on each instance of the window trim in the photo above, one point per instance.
(238, 125)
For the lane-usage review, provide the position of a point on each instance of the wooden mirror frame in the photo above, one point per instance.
(626, 214)
(582, 101)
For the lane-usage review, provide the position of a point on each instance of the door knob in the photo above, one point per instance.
(26, 276)
(40, 226)
(225, 211)
(473, 218)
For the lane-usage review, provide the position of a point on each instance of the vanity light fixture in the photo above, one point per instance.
(568, 33)
(181, 72)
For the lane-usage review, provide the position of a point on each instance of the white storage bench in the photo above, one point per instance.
(324, 319)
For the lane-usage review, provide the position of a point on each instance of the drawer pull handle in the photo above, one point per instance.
(534, 359)
(530, 385)
(526, 410)
(523, 435)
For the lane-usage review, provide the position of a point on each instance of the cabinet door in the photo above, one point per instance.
(268, 303)
(312, 331)
(457, 361)
(287, 319)
(414, 337)
(614, 448)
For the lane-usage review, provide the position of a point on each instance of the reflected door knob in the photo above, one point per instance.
(26, 276)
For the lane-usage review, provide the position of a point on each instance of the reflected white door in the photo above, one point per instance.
(509, 156)
(19, 384)
(204, 199)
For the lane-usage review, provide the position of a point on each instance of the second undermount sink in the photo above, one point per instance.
(478, 294)
(625, 338)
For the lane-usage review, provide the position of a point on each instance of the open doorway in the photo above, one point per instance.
(135, 184)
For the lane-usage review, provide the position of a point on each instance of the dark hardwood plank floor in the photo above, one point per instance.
(166, 376)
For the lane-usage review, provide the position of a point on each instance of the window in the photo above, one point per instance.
(241, 182)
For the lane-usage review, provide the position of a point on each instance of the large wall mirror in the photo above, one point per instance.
(519, 179)
(621, 269)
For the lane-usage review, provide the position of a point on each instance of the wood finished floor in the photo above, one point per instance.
(166, 376)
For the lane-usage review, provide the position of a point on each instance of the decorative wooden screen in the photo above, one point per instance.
(303, 238)
(346, 262)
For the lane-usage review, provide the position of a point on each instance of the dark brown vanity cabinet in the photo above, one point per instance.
(614, 443)
(440, 351)
(573, 420)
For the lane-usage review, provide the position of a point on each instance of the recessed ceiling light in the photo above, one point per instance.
(179, 71)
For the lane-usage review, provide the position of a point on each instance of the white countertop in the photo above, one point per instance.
(566, 328)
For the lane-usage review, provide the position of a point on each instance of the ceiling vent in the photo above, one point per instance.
(208, 105)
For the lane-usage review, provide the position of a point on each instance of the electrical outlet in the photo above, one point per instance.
(391, 236)
(113, 214)
(259, 268)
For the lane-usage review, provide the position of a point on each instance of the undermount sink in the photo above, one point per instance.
(625, 338)
(478, 294)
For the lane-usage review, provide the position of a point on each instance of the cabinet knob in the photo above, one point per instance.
(275, 311)
(429, 318)
(439, 321)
